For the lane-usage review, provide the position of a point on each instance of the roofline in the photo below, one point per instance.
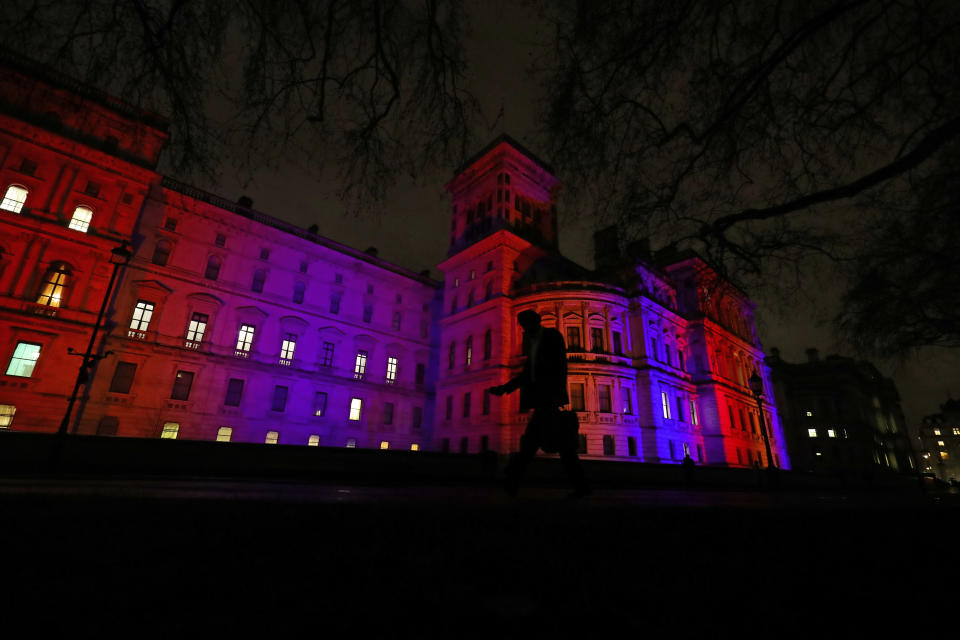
(35, 69)
(292, 229)
(503, 137)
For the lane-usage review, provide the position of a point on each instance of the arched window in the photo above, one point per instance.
(213, 268)
(14, 198)
(161, 252)
(55, 281)
(259, 277)
(81, 219)
(487, 344)
(468, 351)
(298, 290)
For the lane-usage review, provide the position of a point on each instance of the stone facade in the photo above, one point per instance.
(939, 440)
(229, 324)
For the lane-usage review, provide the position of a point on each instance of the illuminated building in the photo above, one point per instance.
(939, 439)
(840, 415)
(232, 325)
(76, 167)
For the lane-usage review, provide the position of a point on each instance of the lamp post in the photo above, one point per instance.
(756, 386)
(119, 257)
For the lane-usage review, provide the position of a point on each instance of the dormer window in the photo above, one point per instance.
(14, 198)
(81, 219)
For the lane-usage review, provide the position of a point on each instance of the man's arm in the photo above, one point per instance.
(511, 385)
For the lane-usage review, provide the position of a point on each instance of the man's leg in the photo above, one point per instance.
(571, 463)
(529, 443)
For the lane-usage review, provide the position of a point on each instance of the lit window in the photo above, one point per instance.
(468, 352)
(665, 402)
(812, 433)
(694, 418)
(356, 405)
(54, 282)
(272, 437)
(944, 455)
(473, 274)
(170, 430)
(351, 443)
(224, 434)
(831, 433)
(244, 340)
(313, 441)
(81, 219)
(391, 370)
(24, 360)
(819, 453)
(456, 282)
(6, 415)
(936, 432)
(809, 414)
(14, 198)
(940, 443)
(360, 365)
(140, 320)
(287, 347)
(956, 431)
(196, 329)
(384, 444)
(414, 447)
(320, 404)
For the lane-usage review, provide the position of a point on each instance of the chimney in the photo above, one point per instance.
(245, 201)
(606, 247)
(813, 355)
(372, 252)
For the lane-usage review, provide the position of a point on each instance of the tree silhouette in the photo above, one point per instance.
(759, 133)
(374, 88)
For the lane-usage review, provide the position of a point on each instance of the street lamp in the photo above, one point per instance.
(119, 257)
(756, 386)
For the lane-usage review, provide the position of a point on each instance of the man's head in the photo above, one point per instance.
(529, 320)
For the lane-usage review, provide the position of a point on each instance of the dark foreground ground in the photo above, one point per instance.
(90, 556)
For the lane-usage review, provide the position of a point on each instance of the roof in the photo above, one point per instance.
(503, 137)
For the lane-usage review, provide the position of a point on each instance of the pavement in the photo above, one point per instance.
(148, 556)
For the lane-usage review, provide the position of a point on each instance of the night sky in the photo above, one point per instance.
(506, 39)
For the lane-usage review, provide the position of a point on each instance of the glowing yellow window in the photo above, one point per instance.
(14, 198)
(170, 430)
(940, 443)
(81, 219)
(356, 405)
(936, 432)
(831, 433)
(7, 412)
(809, 414)
(384, 444)
(313, 441)
(351, 443)
(812, 433)
(415, 447)
(272, 437)
(224, 434)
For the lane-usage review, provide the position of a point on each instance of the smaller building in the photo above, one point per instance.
(840, 415)
(939, 436)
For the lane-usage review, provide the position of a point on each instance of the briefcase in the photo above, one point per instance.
(559, 431)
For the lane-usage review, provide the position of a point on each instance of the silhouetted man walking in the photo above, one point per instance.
(543, 388)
